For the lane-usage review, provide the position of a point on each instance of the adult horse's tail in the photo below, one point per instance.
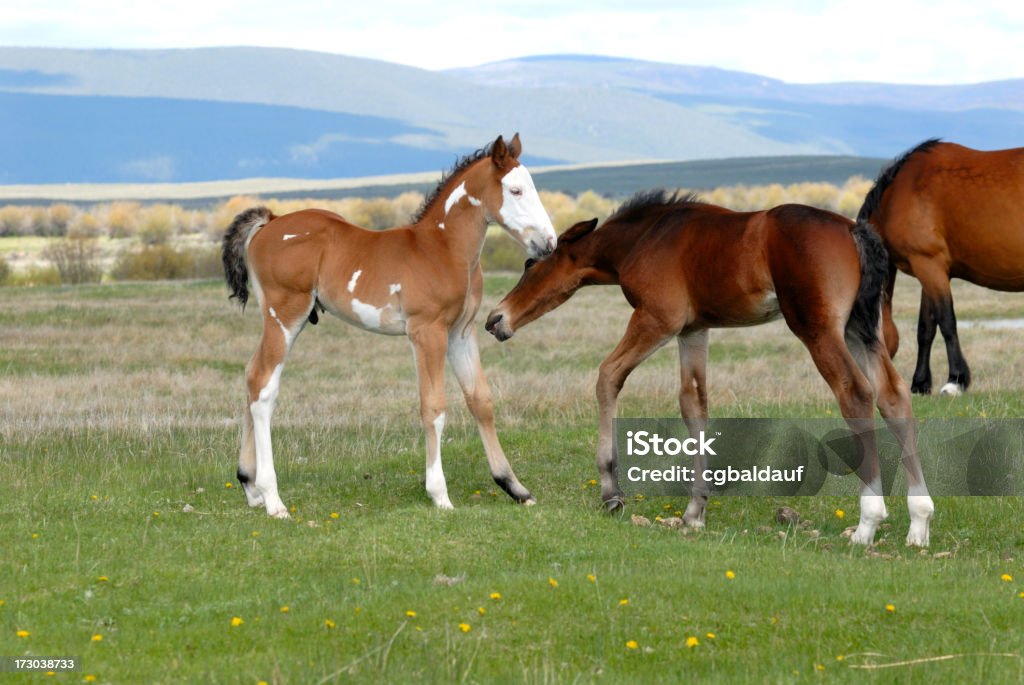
(874, 272)
(236, 239)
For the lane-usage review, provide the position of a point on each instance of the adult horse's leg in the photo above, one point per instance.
(464, 356)
(894, 404)
(644, 335)
(856, 402)
(283, 319)
(429, 345)
(935, 290)
(693, 405)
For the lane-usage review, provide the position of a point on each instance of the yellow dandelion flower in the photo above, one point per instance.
(1021, 595)
(328, 623)
(840, 513)
(262, 682)
(89, 678)
(293, 509)
(465, 627)
(591, 482)
(358, 610)
(552, 582)
(236, 621)
(411, 614)
(819, 667)
(335, 515)
(51, 673)
(632, 644)
(496, 595)
(2, 602)
(94, 497)
(229, 485)
(35, 536)
(591, 577)
(97, 638)
(356, 581)
(156, 513)
(667, 507)
(1007, 577)
(711, 636)
(285, 609)
(624, 601)
(891, 608)
(102, 579)
(481, 611)
(23, 633)
(840, 657)
(730, 575)
(255, 533)
(692, 641)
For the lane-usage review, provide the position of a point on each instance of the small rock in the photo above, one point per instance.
(448, 581)
(805, 524)
(638, 520)
(764, 530)
(813, 534)
(942, 555)
(827, 546)
(787, 515)
(848, 533)
(782, 535)
(200, 491)
(188, 509)
(672, 522)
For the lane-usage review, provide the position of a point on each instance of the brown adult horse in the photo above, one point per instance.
(423, 281)
(686, 267)
(946, 211)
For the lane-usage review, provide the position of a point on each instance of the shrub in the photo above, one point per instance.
(35, 275)
(76, 260)
(123, 219)
(502, 253)
(153, 263)
(58, 219)
(13, 220)
(157, 224)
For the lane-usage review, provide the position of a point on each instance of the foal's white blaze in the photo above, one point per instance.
(266, 479)
(352, 281)
(523, 215)
(456, 195)
(436, 486)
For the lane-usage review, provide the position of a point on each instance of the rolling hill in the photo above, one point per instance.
(75, 116)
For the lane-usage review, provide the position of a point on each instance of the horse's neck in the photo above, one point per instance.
(603, 250)
(459, 230)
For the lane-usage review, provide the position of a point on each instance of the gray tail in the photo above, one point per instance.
(236, 272)
(874, 271)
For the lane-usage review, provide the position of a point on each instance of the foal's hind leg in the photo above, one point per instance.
(693, 405)
(893, 400)
(853, 391)
(464, 357)
(644, 335)
(283, 319)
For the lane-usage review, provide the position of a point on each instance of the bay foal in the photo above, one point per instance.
(423, 281)
(946, 211)
(686, 267)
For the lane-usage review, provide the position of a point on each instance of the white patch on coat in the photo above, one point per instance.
(367, 313)
(457, 194)
(289, 236)
(284, 329)
(473, 201)
(395, 288)
(352, 281)
(441, 225)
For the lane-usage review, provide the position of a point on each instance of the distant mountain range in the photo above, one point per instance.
(72, 116)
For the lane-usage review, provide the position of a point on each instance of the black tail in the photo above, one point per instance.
(873, 200)
(236, 273)
(874, 272)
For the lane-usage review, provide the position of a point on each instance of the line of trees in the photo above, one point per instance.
(133, 241)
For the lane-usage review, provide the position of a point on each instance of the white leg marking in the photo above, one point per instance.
(436, 486)
(921, 508)
(460, 355)
(266, 479)
(951, 389)
(872, 513)
(352, 281)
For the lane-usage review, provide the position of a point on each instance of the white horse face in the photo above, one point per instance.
(523, 215)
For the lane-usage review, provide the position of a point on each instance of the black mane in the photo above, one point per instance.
(460, 165)
(885, 178)
(649, 199)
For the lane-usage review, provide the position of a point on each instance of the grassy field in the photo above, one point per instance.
(124, 540)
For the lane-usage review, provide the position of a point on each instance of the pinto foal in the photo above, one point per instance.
(686, 267)
(423, 281)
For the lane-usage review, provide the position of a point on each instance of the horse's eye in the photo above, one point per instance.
(517, 191)
(529, 262)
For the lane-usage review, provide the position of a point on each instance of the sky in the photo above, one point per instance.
(801, 41)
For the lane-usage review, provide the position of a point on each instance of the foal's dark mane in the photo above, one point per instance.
(460, 165)
(887, 175)
(646, 200)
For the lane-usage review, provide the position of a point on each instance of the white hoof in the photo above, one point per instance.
(253, 497)
(281, 513)
(864, 535)
(444, 504)
(529, 502)
(921, 509)
(918, 535)
(951, 390)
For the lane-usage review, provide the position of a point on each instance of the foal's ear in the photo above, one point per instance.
(499, 153)
(578, 231)
(515, 147)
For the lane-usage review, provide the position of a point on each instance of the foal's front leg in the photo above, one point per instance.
(429, 346)
(693, 405)
(644, 335)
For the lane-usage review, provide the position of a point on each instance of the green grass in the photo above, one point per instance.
(118, 411)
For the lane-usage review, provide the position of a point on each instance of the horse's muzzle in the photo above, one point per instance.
(497, 326)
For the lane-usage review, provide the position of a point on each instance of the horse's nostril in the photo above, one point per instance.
(492, 322)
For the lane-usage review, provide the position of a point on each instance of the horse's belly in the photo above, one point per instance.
(387, 319)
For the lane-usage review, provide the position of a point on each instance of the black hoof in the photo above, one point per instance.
(921, 387)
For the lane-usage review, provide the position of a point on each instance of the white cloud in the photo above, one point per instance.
(797, 40)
